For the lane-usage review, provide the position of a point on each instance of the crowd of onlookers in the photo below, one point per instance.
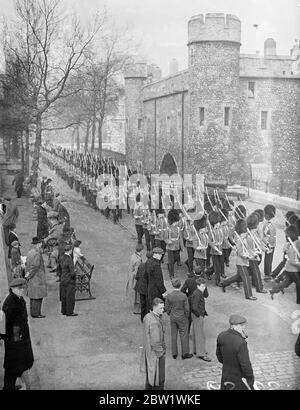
(27, 273)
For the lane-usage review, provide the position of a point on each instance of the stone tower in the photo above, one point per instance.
(135, 75)
(214, 42)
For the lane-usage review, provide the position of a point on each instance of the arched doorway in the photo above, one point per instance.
(168, 165)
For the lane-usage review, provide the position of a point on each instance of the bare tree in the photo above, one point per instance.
(49, 46)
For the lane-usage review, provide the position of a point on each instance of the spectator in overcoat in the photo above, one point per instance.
(154, 346)
(18, 181)
(36, 277)
(67, 282)
(141, 286)
(156, 287)
(10, 217)
(232, 352)
(42, 221)
(18, 357)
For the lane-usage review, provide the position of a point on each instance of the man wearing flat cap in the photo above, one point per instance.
(18, 356)
(232, 352)
(156, 287)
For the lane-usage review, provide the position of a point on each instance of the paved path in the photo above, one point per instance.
(100, 349)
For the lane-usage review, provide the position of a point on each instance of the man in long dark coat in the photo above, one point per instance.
(18, 181)
(155, 281)
(232, 352)
(18, 351)
(42, 230)
(10, 217)
(67, 282)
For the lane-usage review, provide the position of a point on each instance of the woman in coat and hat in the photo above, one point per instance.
(36, 276)
(18, 356)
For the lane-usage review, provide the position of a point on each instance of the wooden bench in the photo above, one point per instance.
(84, 271)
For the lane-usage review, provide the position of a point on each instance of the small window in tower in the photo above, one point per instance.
(140, 123)
(283, 72)
(192, 55)
(168, 123)
(127, 124)
(226, 116)
(201, 116)
(251, 89)
(264, 120)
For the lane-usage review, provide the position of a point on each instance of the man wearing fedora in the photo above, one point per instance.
(232, 352)
(18, 356)
(36, 277)
(67, 282)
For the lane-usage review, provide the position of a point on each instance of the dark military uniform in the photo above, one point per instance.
(232, 352)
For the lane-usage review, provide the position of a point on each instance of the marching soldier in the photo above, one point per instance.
(173, 240)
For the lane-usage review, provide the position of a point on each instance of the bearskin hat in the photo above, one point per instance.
(241, 226)
(293, 219)
(289, 214)
(214, 217)
(200, 223)
(173, 216)
(240, 212)
(270, 210)
(292, 232)
(252, 221)
(260, 213)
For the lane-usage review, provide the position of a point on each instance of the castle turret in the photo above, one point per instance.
(270, 47)
(214, 44)
(135, 75)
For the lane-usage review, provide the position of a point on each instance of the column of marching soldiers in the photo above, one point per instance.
(209, 238)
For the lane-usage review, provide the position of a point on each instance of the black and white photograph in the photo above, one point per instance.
(149, 198)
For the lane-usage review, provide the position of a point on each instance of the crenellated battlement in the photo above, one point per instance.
(214, 27)
(135, 70)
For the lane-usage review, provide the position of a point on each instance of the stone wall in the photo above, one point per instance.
(279, 144)
(168, 129)
(256, 65)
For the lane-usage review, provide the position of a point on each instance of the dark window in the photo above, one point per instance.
(226, 115)
(201, 116)
(127, 124)
(264, 120)
(168, 123)
(139, 124)
(251, 89)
